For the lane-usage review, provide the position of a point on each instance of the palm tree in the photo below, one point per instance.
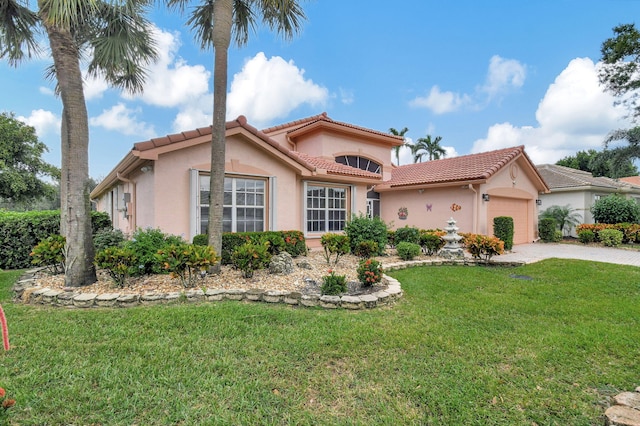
(426, 146)
(114, 38)
(214, 22)
(566, 217)
(396, 149)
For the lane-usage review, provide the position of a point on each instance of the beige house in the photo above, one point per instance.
(580, 189)
(312, 175)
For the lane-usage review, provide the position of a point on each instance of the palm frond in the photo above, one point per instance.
(201, 23)
(283, 16)
(67, 14)
(18, 31)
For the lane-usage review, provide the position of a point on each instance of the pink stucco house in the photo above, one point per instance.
(312, 175)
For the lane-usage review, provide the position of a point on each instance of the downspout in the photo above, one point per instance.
(132, 223)
(475, 208)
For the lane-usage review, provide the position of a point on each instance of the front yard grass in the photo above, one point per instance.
(466, 345)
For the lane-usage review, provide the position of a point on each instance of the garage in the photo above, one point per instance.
(516, 208)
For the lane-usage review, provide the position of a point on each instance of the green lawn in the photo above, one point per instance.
(466, 345)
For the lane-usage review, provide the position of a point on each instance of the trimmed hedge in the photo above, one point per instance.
(20, 232)
(503, 229)
(294, 242)
(547, 229)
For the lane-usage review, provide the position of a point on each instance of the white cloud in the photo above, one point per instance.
(267, 89)
(94, 87)
(575, 114)
(441, 102)
(122, 119)
(44, 122)
(503, 75)
(346, 96)
(46, 91)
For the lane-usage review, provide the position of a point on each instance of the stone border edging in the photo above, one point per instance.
(26, 293)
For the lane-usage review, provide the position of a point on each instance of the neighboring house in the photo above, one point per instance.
(312, 175)
(633, 180)
(580, 189)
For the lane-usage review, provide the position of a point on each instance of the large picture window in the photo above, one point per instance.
(244, 204)
(326, 208)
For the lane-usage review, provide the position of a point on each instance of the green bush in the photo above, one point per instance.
(369, 272)
(120, 263)
(616, 209)
(431, 242)
(145, 243)
(587, 236)
(334, 244)
(611, 237)
(361, 228)
(49, 253)
(547, 229)
(275, 242)
(409, 234)
(366, 249)
(407, 251)
(107, 237)
(294, 242)
(250, 257)
(333, 284)
(21, 231)
(201, 240)
(391, 238)
(187, 261)
(503, 230)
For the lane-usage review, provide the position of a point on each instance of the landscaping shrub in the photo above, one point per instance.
(611, 237)
(369, 272)
(333, 284)
(547, 229)
(503, 230)
(483, 247)
(120, 263)
(629, 231)
(250, 257)
(21, 231)
(361, 228)
(201, 240)
(586, 236)
(432, 242)
(391, 238)
(334, 244)
(616, 209)
(294, 242)
(107, 237)
(50, 254)
(409, 234)
(187, 261)
(566, 217)
(366, 249)
(145, 244)
(275, 242)
(407, 251)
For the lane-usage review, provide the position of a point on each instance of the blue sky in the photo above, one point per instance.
(481, 74)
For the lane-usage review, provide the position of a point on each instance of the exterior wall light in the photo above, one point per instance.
(485, 197)
(538, 202)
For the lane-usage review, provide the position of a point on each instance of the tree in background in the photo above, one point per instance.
(114, 39)
(396, 149)
(620, 75)
(565, 216)
(22, 168)
(429, 147)
(214, 24)
(600, 163)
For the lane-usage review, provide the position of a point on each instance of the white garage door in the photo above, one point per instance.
(517, 209)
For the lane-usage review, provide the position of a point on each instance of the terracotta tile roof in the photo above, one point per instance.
(560, 177)
(456, 169)
(295, 123)
(633, 180)
(335, 168)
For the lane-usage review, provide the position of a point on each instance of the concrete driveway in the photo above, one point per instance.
(535, 252)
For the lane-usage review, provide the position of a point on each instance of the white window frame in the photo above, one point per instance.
(348, 202)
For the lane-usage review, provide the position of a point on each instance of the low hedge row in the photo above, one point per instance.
(292, 242)
(21, 231)
(630, 231)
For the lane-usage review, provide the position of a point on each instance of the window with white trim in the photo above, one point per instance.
(244, 204)
(326, 208)
(359, 162)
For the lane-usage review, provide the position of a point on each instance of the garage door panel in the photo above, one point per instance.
(515, 208)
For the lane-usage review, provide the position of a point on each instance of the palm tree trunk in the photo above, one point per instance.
(222, 21)
(75, 219)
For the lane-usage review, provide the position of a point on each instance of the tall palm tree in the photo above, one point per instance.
(114, 38)
(214, 23)
(396, 149)
(426, 146)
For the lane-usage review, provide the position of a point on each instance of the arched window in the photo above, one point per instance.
(358, 162)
